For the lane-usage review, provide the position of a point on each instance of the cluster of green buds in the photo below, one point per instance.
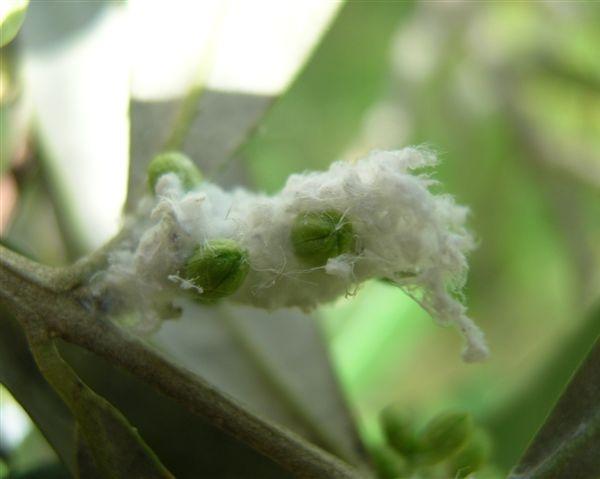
(217, 268)
(449, 445)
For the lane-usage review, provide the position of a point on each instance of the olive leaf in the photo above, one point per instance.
(117, 448)
(50, 23)
(223, 123)
(568, 444)
(518, 420)
(276, 363)
(186, 443)
(19, 374)
(86, 467)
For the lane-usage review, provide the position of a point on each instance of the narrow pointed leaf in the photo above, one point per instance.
(568, 444)
(19, 374)
(117, 448)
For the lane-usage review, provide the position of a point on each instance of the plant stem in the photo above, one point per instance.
(116, 446)
(69, 315)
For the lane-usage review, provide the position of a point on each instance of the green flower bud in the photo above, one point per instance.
(174, 162)
(217, 269)
(389, 464)
(473, 456)
(319, 235)
(398, 429)
(443, 436)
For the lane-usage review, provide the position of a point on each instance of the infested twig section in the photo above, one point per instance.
(38, 297)
(323, 235)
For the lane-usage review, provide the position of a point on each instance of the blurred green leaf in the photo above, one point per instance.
(516, 422)
(222, 124)
(568, 444)
(276, 363)
(52, 22)
(86, 466)
(19, 374)
(205, 451)
(12, 14)
(43, 471)
(117, 448)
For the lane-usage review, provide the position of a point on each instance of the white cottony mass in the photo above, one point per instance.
(401, 232)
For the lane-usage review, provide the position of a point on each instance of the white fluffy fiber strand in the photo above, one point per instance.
(404, 232)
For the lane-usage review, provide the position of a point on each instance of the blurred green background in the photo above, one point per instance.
(508, 94)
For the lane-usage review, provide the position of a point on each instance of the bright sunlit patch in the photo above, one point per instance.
(14, 422)
(80, 96)
(235, 45)
(263, 43)
(170, 43)
(9, 6)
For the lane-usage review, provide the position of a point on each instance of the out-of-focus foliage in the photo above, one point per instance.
(509, 94)
(448, 445)
(12, 14)
(568, 444)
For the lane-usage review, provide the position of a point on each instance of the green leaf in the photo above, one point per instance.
(86, 466)
(205, 452)
(224, 121)
(568, 444)
(19, 374)
(518, 420)
(276, 363)
(51, 23)
(51, 470)
(12, 14)
(117, 448)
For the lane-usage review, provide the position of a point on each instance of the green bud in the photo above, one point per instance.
(320, 235)
(398, 429)
(443, 436)
(219, 268)
(174, 162)
(473, 456)
(389, 464)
